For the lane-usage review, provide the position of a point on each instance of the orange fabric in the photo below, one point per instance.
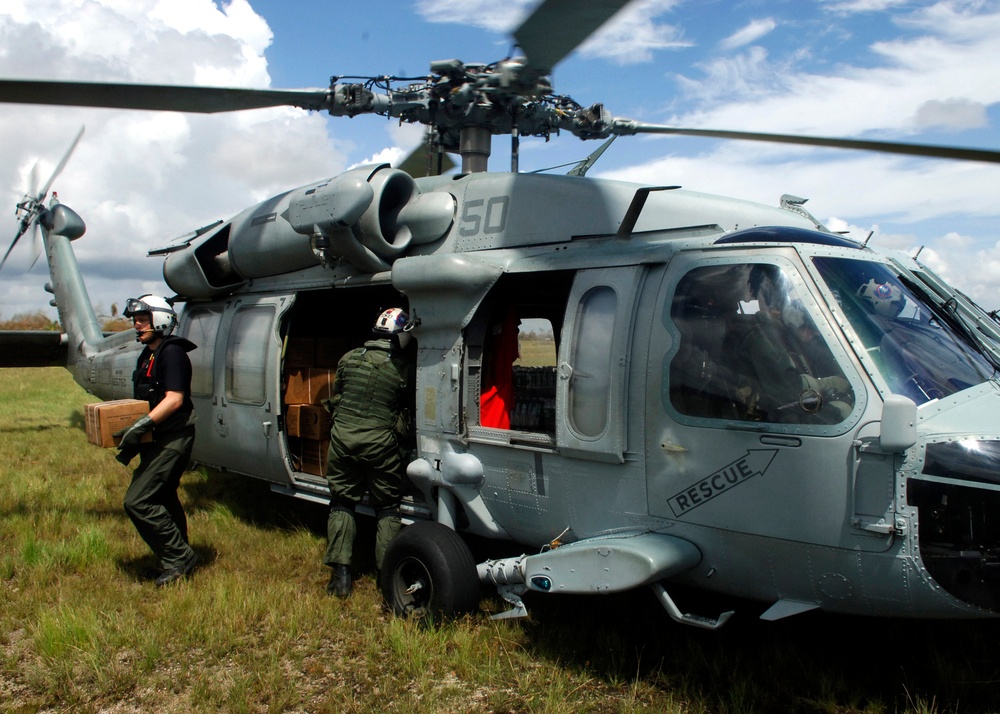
(497, 399)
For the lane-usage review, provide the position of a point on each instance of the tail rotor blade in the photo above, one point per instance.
(33, 181)
(30, 208)
(36, 244)
(28, 220)
(20, 233)
(62, 164)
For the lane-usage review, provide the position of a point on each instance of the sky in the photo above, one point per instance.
(920, 72)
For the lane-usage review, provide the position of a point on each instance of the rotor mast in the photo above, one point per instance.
(474, 146)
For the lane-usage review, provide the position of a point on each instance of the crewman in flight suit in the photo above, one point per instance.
(369, 442)
(163, 378)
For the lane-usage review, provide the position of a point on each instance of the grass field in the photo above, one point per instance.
(81, 630)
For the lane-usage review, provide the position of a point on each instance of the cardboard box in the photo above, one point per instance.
(300, 352)
(309, 421)
(329, 350)
(102, 419)
(312, 456)
(309, 385)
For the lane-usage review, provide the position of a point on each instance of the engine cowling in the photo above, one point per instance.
(367, 217)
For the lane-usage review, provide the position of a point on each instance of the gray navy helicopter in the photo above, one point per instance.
(738, 399)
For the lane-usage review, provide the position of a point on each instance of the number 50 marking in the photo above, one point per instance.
(488, 217)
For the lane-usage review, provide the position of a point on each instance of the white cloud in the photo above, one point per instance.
(951, 114)
(749, 34)
(138, 178)
(855, 100)
(749, 75)
(405, 138)
(631, 36)
(862, 6)
(499, 17)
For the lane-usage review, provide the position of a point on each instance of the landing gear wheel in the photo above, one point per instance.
(429, 570)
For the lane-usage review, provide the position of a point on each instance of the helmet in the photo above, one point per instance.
(162, 317)
(769, 286)
(394, 323)
(391, 322)
(885, 298)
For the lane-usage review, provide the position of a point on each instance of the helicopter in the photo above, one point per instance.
(647, 447)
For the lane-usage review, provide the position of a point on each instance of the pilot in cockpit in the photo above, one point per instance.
(794, 376)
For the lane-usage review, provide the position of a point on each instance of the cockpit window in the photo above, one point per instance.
(750, 350)
(918, 346)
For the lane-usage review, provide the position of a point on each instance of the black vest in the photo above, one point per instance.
(148, 383)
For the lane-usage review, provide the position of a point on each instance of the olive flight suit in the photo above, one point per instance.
(369, 443)
(783, 369)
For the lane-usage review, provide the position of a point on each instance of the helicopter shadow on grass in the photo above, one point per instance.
(812, 662)
(253, 502)
(249, 500)
(29, 428)
(74, 421)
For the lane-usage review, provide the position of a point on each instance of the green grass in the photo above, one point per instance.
(536, 352)
(82, 631)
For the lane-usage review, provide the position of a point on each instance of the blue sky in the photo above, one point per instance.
(879, 69)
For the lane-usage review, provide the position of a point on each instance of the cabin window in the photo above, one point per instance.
(518, 374)
(750, 350)
(535, 377)
(518, 377)
(553, 345)
(511, 360)
(246, 354)
(594, 363)
(590, 383)
(201, 326)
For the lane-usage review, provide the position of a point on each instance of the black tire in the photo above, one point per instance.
(437, 562)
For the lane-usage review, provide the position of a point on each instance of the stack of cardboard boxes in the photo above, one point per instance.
(310, 369)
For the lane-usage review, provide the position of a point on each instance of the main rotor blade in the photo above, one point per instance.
(888, 147)
(557, 27)
(200, 100)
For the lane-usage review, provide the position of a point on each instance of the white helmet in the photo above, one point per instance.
(393, 322)
(885, 298)
(162, 318)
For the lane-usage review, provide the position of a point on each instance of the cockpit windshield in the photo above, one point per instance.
(915, 342)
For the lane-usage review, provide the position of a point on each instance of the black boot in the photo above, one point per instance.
(340, 581)
(179, 573)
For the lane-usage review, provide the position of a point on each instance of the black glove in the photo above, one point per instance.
(126, 455)
(132, 435)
